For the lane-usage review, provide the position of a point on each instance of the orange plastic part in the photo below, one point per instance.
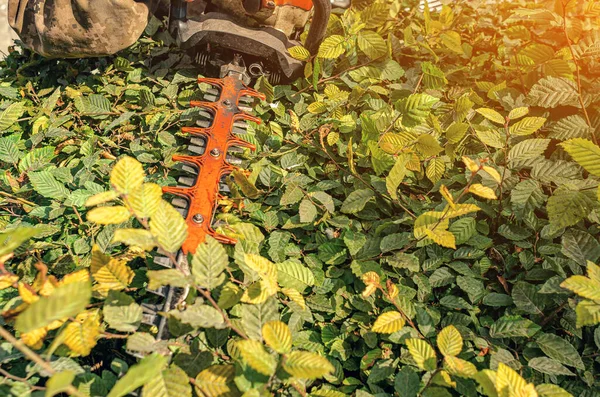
(212, 165)
(303, 4)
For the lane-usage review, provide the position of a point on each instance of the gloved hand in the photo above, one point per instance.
(79, 28)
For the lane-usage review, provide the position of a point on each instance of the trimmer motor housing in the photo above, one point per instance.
(261, 31)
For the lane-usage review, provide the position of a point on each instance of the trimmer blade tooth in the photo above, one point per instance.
(163, 261)
(224, 188)
(197, 149)
(179, 202)
(189, 169)
(241, 124)
(187, 181)
(182, 211)
(198, 141)
(203, 123)
(210, 98)
(233, 160)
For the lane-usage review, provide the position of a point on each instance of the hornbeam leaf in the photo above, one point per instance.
(527, 126)
(109, 215)
(356, 201)
(127, 175)
(135, 237)
(144, 200)
(459, 367)
(491, 115)
(422, 353)
(551, 92)
(388, 323)
(567, 207)
(450, 341)
(397, 175)
(256, 356)
(307, 365)
(216, 381)
(10, 115)
(168, 227)
(65, 301)
(277, 336)
(482, 191)
(121, 312)
(331, 48)
(81, 335)
(171, 382)
(115, 275)
(372, 44)
(148, 369)
(585, 153)
(588, 313)
(583, 286)
(300, 53)
(209, 263)
(46, 184)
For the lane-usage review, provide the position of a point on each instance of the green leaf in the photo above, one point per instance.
(372, 44)
(527, 126)
(449, 341)
(525, 152)
(517, 113)
(407, 382)
(67, 300)
(551, 92)
(277, 336)
(45, 184)
(127, 175)
(121, 312)
(356, 201)
(585, 153)
(526, 298)
(12, 239)
(307, 211)
(168, 227)
(10, 115)
(428, 145)
(9, 152)
(307, 365)
(200, 316)
(37, 159)
(397, 175)
(570, 127)
(422, 353)
(491, 115)
(59, 383)
(549, 390)
(209, 263)
(549, 366)
(331, 48)
(147, 370)
(580, 246)
(567, 207)
(171, 382)
(256, 356)
(559, 349)
(452, 41)
(513, 327)
(415, 108)
(292, 274)
(172, 277)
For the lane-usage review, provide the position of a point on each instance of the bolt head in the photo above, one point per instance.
(198, 218)
(227, 102)
(271, 4)
(215, 152)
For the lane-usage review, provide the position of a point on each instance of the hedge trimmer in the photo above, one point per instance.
(238, 41)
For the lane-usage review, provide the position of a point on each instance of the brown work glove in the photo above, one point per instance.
(79, 28)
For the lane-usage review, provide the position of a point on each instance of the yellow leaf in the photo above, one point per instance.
(388, 323)
(216, 381)
(35, 339)
(593, 271)
(101, 198)
(443, 378)
(517, 113)
(583, 286)
(422, 353)
(460, 210)
(27, 294)
(169, 227)
(370, 290)
(127, 175)
(493, 173)
(392, 290)
(295, 297)
(428, 221)
(491, 115)
(470, 164)
(145, 199)
(448, 196)
(277, 336)
(258, 292)
(307, 365)
(482, 191)
(442, 237)
(7, 280)
(82, 334)
(459, 367)
(99, 259)
(508, 381)
(135, 237)
(80, 275)
(256, 356)
(449, 341)
(371, 278)
(109, 215)
(116, 275)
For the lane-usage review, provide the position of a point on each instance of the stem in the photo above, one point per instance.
(8, 375)
(31, 355)
(577, 73)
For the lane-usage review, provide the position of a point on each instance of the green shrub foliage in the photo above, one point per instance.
(421, 217)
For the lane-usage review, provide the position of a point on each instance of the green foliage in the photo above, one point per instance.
(421, 217)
